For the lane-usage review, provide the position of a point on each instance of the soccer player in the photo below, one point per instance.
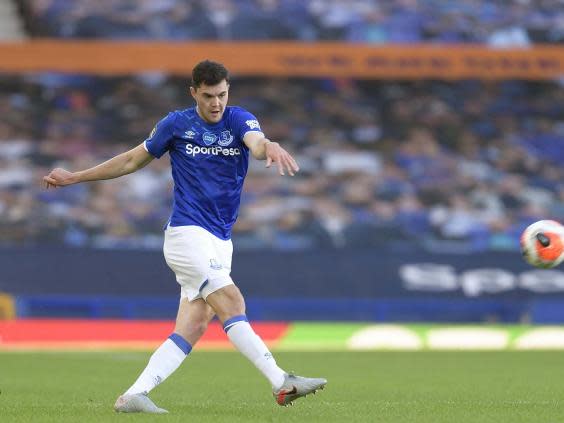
(209, 149)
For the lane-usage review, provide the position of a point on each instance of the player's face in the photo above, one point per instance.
(211, 100)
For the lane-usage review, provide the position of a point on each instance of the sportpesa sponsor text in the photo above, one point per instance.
(216, 150)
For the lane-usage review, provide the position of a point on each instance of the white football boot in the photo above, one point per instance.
(295, 387)
(137, 403)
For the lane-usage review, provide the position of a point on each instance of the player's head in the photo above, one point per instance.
(210, 89)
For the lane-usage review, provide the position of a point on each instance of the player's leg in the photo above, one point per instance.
(229, 305)
(191, 323)
(183, 250)
(192, 319)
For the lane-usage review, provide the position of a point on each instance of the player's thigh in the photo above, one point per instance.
(200, 260)
(188, 251)
(219, 272)
(224, 251)
(192, 319)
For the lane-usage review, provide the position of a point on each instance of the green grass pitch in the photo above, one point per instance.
(216, 387)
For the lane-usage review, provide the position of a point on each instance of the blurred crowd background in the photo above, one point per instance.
(429, 134)
(460, 166)
(494, 22)
(440, 166)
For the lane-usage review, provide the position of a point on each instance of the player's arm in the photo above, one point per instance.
(263, 149)
(120, 165)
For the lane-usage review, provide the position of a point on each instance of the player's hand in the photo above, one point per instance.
(58, 178)
(283, 159)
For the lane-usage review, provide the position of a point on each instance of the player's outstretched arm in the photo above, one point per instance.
(120, 165)
(263, 149)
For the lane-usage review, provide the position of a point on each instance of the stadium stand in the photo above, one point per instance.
(429, 165)
(11, 22)
(502, 24)
(425, 149)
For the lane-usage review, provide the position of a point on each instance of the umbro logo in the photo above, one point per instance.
(189, 134)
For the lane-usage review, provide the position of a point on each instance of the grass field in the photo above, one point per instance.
(222, 387)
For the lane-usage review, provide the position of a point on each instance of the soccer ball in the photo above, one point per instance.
(542, 244)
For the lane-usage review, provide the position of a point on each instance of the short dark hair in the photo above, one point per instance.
(209, 73)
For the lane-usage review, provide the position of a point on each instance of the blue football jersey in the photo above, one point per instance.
(209, 164)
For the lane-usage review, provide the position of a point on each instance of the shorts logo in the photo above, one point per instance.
(225, 139)
(215, 265)
(253, 124)
(209, 138)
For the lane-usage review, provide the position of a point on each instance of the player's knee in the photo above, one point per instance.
(193, 330)
(199, 327)
(227, 302)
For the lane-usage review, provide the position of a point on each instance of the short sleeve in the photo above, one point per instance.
(160, 138)
(244, 122)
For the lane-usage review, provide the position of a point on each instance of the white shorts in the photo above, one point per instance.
(200, 260)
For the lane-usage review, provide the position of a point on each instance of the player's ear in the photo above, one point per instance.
(193, 91)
